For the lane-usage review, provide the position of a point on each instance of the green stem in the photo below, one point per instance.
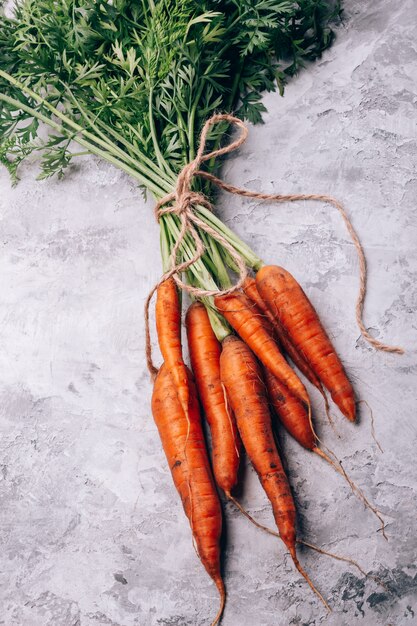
(86, 144)
(191, 118)
(170, 178)
(219, 325)
(231, 101)
(198, 276)
(136, 162)
(218, 268)
(187, 248)
(191, 123)
(235, 87)
(251, 259)
(190, 133)
(165, 246)
(228, 260)
(159, 156)
(167, 182)
(107, 155)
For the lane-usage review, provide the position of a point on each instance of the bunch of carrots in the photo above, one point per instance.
(140, 85)
(242, 383)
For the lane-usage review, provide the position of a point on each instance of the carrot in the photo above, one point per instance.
(183, 442)
(168, 326)
(205, 352)
(242, 378)
(242, 315)
(297, 421)
(290, 305)
(291, 412)
(275, 328)
(251, 290)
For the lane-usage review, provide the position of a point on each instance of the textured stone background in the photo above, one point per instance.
(91, 529)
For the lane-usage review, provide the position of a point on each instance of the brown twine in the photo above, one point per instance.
(361, 255)
(182, 202)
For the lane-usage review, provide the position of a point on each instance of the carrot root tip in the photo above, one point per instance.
(310, 583)
(222, 592)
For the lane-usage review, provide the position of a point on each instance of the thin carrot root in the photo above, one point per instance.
(332, 555)
(250, 518)
(345, 559)
(222, 592)
(229, 415)
(354, 487)
(312, 441)
(341, 470)
(372, 424)
(309, 582)
(328, 413)
(275, 534)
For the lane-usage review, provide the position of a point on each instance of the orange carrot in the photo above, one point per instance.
(297, 421)
(290, 305)
(184, 445)
(242, 315)
(242, 378)
(276, 330)
(205, 352)
(291, 412)
(251, 290)
(168, 326)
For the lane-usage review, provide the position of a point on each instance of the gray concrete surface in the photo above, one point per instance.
(91, 529)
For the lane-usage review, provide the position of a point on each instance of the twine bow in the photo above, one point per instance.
(182, 202)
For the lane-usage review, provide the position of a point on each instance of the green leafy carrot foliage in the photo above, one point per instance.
(144, 75)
